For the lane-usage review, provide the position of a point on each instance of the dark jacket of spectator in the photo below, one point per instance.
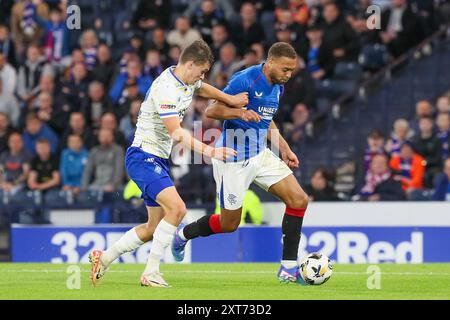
(327, 194)
(157, 10)
(339, 34)
(407, 37)
(390, 190)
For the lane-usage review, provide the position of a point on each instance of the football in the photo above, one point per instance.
(316, 268)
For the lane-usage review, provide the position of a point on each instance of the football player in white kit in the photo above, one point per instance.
(147, 160)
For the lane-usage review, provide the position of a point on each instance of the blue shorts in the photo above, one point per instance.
(149, 172)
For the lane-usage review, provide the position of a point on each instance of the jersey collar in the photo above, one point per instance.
(173, 74)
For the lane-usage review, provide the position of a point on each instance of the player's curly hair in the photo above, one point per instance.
(198, 52)
(282, 49)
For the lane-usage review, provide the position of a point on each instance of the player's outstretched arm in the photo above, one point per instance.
(276, 139)
(236, 101)
(186, 139)
(219, 111)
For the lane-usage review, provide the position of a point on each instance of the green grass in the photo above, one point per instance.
(224, 281)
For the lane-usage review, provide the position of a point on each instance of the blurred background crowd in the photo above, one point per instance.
(69, 98)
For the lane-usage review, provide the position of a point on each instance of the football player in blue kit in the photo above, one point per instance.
(247, 130)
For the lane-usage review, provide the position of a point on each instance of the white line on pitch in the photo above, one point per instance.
(224, 272)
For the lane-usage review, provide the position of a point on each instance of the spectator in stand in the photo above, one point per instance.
(299, 89)
(128, 123)
(443, 104)
(104, 69)
(250, 59)
(153, 66)
(205, 17)
(423, 109)
(159, 43)
(9, 105)
(57, 43)
(258, 47)
(399, 31)
(380, 185)
(220, 80)
(24, 28)
(300, 117)
(133, 74)
(443, 133)
(77, 126)
(318, 57)
(73, 162)
(14, 165)
(409, 168)
(223, 5)
(220, 37)
(375, 145)
(227, 64)
(285, 20)
(184, 34)
(76, 88)
(174, 55)
(89, 45)
(338, 35)
(400, 134)
(95, 104)
(8, 75)
(55, 119)
(7, 46)
(109, 121)
(442, 184)
(30, 73)
(321, 187)
(104, 169)
(150, 14)
(35, 130)
(5, 131)
(358, 19)
(248, 30)
(137, 44)
(429, 147)
(299, 10)
(44, 175)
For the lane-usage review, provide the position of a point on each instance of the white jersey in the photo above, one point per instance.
(167, 97)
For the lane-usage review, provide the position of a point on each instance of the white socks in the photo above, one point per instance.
(289, 264)
(127, 243)
(162, 238)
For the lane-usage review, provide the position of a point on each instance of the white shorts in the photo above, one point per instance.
(234, 178)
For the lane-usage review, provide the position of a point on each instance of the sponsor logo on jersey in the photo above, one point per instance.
(168, 106)
(267, 113)
(258, 94)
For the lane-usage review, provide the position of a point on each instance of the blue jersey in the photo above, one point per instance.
(249, 138)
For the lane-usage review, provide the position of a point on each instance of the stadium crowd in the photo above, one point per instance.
(69, 98)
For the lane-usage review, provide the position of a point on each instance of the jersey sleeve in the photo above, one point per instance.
(237, 84)
(166, 102)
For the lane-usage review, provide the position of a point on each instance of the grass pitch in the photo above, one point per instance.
(223, 281)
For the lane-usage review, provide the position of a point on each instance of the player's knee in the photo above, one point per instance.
(179, 211)
(297, 200)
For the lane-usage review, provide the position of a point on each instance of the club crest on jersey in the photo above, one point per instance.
(232, 199)
(158, 169)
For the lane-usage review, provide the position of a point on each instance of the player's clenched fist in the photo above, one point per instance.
(250, 115)
(223, 153)
(239, 100)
